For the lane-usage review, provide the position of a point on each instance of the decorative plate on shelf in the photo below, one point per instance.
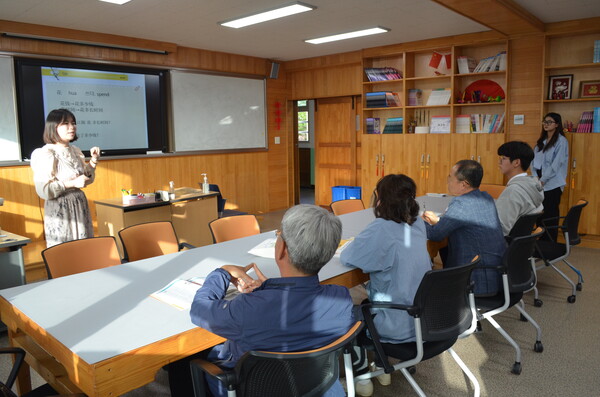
(486, 88)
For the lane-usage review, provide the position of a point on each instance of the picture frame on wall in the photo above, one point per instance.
(589, 89)
(560, 87)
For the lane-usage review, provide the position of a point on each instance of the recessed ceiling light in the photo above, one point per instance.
(280, 12)
(349, 35)
(119, 2)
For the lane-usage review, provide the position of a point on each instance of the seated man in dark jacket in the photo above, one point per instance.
(290, 313)
(472, 226)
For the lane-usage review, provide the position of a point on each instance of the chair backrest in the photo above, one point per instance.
(79, 256)
(147, 240)
(443, 300)
(296, 374)
(517, 260)
(346, 206)
(494, 190)
(220, 200)
(523, 226)
(18, 356)
(571, 222)
(233, 227)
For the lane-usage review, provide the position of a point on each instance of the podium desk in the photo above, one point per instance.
(101, 333)
(190, 212)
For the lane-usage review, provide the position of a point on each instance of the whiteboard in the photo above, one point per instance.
(215, 112)
(9, 136)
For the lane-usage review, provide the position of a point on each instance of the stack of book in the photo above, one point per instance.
(463, 124)
(415, 97)
(597, 51)
(439, 96)
(487, 123)
(383, 74)
(393, 125)
(373, 125)
(492, 64)
(466, 64)
(586, 122)
(383, 99)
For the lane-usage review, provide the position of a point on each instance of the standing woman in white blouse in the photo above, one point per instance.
(550, 165)
(59, 173)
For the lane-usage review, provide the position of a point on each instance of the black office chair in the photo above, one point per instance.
(443, 311)
(524, 226)
(292, 374)
(552, 252)
(518, 276)
(222, 212)
(6, 388)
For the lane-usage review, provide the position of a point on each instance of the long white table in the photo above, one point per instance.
(102, 332)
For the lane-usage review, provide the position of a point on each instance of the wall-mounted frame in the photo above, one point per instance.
(589, 89)
(560, 87)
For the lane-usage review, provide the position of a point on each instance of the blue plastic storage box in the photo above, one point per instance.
(345, 193)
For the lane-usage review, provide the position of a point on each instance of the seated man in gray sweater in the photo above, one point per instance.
(524, 193)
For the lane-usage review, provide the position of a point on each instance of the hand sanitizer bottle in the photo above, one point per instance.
(171, 190)
(205, 187)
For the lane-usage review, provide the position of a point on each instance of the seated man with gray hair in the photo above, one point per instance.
(291, 313)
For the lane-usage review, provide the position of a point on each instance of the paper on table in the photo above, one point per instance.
(343, 245)
(266, 249)
(180, 293)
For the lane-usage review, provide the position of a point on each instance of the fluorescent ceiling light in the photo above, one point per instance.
(283, 11)
(349, 35)
(119, 2)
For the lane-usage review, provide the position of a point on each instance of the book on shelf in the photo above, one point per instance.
(373, 125)
(440, 125)
(463, 124)
(596, 51)
(487, 123)
(596, 123)
(492, 64)
(393, 125)
(383, 74)
(466, 64)
(382, 99)
(415, 97)
(586, 122)
(439, 96)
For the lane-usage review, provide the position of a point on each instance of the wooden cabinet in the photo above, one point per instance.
(573, 56)
(427, 158)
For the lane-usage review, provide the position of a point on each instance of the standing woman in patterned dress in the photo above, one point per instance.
(59, 173)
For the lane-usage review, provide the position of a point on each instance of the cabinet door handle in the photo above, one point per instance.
(472, 157)
(376, 165)
(382, 165)
(422, 165)
(428, 158)
(574, 163)
(479, 159)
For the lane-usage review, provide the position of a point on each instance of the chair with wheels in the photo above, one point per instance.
(518, 276)
(552, 253)
(290, 374)
(233, 227)
(443, 311)
(151, 239)
(493, 190)
(346, 206)
(79, 256)
(524, 226)
(6, 387)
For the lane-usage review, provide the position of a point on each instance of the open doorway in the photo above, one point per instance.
(306, 150)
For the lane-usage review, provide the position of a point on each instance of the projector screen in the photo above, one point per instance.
(120, 109)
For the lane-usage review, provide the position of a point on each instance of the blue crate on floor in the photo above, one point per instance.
(345, 193)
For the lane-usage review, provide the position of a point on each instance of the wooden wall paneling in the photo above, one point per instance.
(370, 165)
(525, 85)
(415, 156)
(487, 149)
(437, 163)
(343, 80)
(584, 181)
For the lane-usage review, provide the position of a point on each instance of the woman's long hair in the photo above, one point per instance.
(395, 199)
(559, 131)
